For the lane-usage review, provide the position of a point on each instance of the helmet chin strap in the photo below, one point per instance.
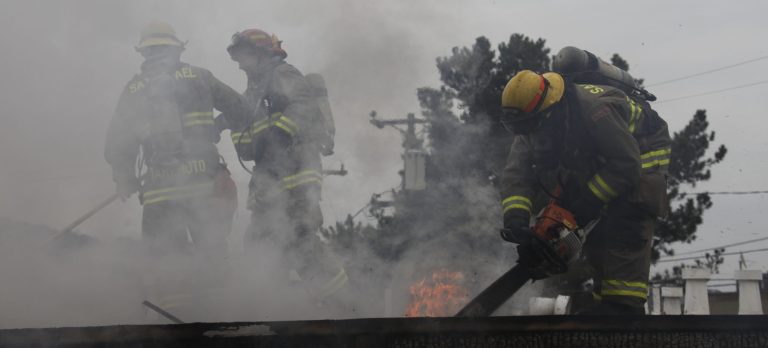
(263, 64)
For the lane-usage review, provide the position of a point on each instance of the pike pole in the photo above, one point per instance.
(87, 215)
(162, 312)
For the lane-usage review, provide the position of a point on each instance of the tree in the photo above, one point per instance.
(689, 166)
(711, 262)
(345, 236)
(473, 79)
(622, 64)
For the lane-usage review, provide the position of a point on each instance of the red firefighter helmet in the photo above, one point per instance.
(257, 39)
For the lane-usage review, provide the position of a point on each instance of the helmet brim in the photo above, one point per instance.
(555, 92)
(158, 41)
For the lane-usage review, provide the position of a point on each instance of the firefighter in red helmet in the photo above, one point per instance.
(284, 140)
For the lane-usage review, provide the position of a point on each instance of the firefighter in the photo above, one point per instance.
(284, 140)
(161, 143)
(608, 154)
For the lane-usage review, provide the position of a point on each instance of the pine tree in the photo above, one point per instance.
(689, 166)
(473, 79)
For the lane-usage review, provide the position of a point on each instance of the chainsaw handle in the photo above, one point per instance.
(516, 236)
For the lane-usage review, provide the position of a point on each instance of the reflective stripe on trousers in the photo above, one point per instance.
(306, 177)
(614, 287)
(177, 192)
(335, 284)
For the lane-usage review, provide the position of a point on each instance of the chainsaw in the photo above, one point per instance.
(555, 240)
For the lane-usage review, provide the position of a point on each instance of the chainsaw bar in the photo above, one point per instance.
(488, 301)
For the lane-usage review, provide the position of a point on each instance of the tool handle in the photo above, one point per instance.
(162, 312)
(87, 215)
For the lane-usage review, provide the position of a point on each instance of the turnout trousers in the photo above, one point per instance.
(619, 251)
(285, 218)
(199, 224)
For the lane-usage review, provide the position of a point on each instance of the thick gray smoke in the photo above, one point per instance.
(64, 65)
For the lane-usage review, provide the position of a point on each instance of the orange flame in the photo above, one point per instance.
(440, 297)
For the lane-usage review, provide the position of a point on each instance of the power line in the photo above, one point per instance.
(738, 192)
(723, 254)
(707, 72)
(726, 192)
(717, 247)
(713, 92)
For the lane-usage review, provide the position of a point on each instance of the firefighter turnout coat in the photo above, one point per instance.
(165, 116)
(284, 104)
(602, 146)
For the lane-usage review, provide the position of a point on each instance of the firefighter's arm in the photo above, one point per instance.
(122, 147)
(619, 155)
(236, 113)
(518, 182)
(293, 91)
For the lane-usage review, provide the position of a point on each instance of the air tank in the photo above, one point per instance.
(584, 67)
(320, 93)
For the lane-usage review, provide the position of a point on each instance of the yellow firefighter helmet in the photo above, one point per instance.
(158, 33)
(529, 93)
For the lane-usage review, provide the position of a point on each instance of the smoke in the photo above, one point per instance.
(64, 66)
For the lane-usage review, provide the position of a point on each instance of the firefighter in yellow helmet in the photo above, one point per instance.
(284, 140)
(608, 154)
(161, 143)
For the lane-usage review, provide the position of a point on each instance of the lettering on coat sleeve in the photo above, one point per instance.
(185, 73)
(136, 86)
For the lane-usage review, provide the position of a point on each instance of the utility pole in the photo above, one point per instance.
(414, 155)
(410, 141)
(742, 261)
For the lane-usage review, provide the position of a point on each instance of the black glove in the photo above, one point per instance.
(127, 186)
(527, 256)
(517, 227)
(586, 208)
(326, 148)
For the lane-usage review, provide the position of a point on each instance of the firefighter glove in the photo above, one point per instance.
(126, 187)
(586, 208)
(326, 147)
(527, 256)
(517, 227)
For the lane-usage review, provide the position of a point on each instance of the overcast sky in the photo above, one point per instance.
(64, 64)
